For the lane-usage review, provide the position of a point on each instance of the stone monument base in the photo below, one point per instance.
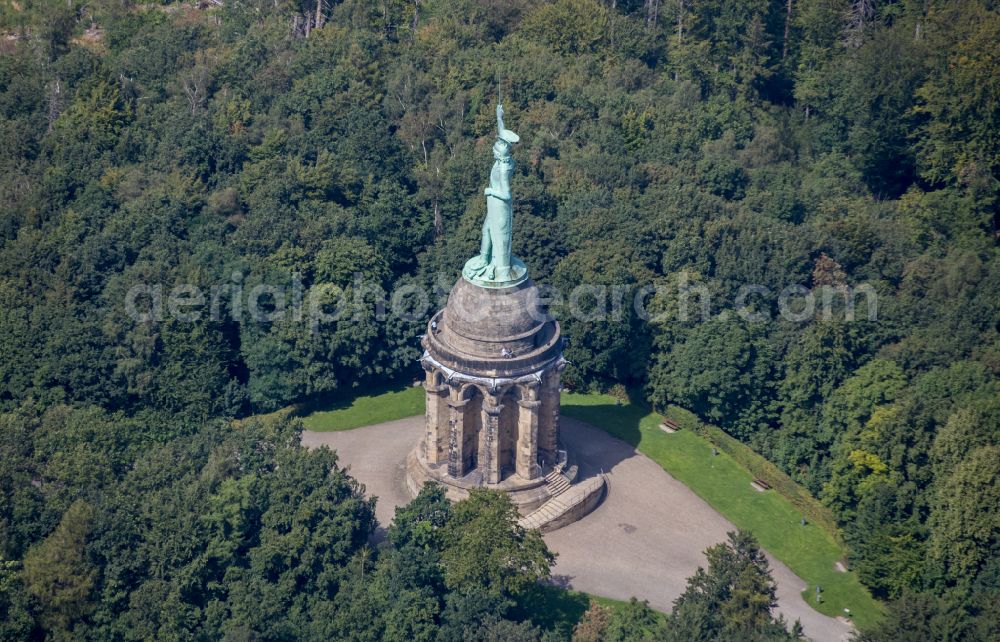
(545, 503)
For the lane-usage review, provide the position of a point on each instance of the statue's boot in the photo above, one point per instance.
(478, 263)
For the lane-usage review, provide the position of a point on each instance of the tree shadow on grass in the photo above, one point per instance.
(553, 607)
(621, 422)
(342, 398)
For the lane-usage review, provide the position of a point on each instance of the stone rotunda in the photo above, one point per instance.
(493, 358)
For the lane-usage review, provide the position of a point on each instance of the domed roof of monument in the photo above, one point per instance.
(494, 314)
(493, 331)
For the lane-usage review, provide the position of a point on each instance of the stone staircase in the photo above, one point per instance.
(544, 514)
(556, 483)
(570, 503)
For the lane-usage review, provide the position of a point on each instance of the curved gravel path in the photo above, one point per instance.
(645, 539)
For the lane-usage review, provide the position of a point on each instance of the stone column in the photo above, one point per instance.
(489, 442)
(526, 462)
(548, 430)
(436, 419)
(456, 435)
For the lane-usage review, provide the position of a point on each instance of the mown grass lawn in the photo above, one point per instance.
(808, 550)
(373, 408)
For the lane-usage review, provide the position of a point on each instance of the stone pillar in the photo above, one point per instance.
(489, 442)
(548, 422)
(436, 419)
(526, 462)
(456, 436)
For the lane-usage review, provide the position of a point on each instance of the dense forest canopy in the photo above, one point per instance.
(690, 145)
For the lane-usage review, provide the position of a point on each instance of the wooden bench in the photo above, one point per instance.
(760, 484)
(669, 425)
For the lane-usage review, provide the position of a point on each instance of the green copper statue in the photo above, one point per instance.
(494, 266)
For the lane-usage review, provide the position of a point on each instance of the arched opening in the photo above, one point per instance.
(507, 446)
(472, 424)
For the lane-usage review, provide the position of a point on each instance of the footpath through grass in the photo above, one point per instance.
(808, 550)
